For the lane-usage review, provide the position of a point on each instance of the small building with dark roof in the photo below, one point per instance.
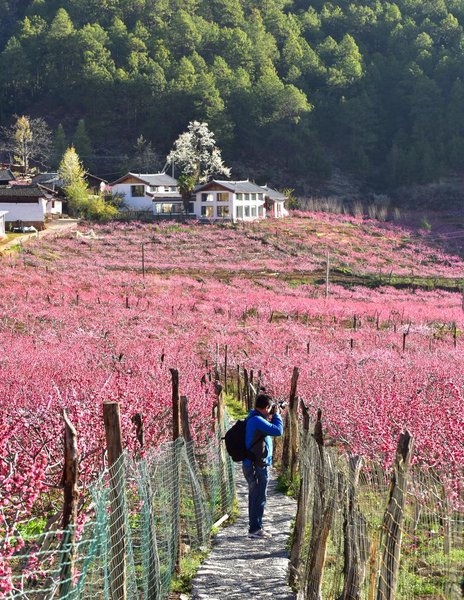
(27, 204)
(6, 176)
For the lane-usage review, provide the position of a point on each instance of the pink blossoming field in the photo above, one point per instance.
(88, 318)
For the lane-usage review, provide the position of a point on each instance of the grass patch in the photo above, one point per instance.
(287, 486)
(234, 407)
(188, 568)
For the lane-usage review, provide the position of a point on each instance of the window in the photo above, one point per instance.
(207, 211)
(223, 211)
(137, 191)
(173, 188)
(167, 208)
(246, 196)
(223, 197)
(253, 211)
(208, 197)
(247, 211)
(192, 208)
(239, 196)
(239, 212)
(260, 211)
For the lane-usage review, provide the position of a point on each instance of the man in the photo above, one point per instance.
(263, 422)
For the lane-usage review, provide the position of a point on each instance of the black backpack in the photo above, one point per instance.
(235, 442)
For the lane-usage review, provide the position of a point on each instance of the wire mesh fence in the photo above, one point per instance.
(145, 513)
(367, 533)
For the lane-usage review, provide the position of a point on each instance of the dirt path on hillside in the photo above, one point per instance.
(54, 227)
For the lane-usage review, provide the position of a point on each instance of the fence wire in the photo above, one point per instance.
(362, 538)
(146, 513)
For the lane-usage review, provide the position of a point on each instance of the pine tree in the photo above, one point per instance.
(83, 144)
(59, 146)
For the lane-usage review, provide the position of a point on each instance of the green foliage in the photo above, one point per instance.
(235, 408)
(82, 143)
(59, 145)
(189, 565)
(377, 87)
(288, 486)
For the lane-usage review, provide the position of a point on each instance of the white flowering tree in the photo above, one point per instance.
(196, 155)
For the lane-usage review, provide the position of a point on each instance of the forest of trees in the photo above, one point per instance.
(374, 87)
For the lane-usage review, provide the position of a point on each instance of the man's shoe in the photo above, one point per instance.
(260, 534)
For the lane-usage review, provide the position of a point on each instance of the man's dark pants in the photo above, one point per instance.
(257, 478)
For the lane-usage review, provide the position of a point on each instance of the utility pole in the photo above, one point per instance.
(327, 275)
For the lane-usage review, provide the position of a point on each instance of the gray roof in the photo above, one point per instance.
(151, 179)
(239, 187)
(273, 194)
(49, 180)
(6, 175)
(21, 192)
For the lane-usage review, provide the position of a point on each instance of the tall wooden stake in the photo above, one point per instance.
(225, 369)
(327, 270)
(71, 495)
(143, 260)
(323, 509)
(176, 433)
(392, 527)
(117, 542)
(290, 442)
(301, 513)
(195, 472)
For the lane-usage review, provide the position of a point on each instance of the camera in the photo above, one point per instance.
(278, 405)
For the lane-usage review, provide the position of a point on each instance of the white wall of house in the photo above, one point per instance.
(54, 206)
(228, 205)
(140, 196)
(2, 224)
(278, 210)
(28, 212)
(135, 195)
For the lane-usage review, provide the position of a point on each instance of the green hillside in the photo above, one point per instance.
(375, 88)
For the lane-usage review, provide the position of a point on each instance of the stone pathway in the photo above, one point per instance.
(239, 567)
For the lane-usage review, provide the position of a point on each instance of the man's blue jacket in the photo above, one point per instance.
(258, 428)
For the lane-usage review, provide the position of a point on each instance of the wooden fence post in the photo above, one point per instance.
(302, 508)
(327, 272)
(70, 478)
(239, 384)
(246, 387)
(290, 443)
(355, 546)
(323, 509)
(195, 472)
(117, 542)
(392, 526)
(176, 434)
(225, 369)
(139, 432)
(143, 260)
(222, 452)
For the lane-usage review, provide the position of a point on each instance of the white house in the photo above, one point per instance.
(238, 201)
(26, 204)
(2, 223)
(156, 192)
